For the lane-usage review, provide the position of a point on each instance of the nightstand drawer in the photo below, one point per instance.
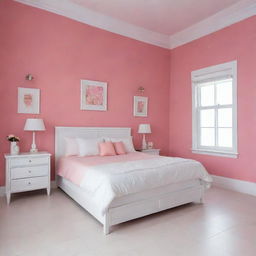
(29, 184)
(30, 171)
(28, 161)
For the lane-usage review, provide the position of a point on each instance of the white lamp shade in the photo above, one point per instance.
(144, 128)
(34, 124)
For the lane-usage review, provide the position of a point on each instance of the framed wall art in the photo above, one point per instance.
(28, 100)
(140, 106)
(93, 95)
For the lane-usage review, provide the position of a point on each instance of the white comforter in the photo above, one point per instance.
(107, 181)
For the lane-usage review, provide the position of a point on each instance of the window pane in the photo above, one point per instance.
(207, 95)
(207, 118)
(224, 92)
(225, 117)
(207, 137)
(225, 137)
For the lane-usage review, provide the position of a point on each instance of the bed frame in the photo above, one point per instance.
(139, 204)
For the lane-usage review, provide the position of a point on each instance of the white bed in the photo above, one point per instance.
(129, 206)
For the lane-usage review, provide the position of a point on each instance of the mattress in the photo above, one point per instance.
(127, 199)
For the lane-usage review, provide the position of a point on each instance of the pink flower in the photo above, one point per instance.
(13, 138)
(94, 95)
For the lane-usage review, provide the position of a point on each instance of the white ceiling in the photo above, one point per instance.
(165, 23)
(163, 16)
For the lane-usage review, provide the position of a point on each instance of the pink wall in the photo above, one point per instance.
(237, 42)
(59, 52)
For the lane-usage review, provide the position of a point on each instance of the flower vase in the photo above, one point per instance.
(15, 149)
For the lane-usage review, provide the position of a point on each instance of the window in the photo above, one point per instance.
(215, 110)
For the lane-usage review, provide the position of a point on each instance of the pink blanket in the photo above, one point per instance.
(73, 167)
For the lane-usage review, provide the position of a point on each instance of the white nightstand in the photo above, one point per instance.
(152, 151)
(27, 171)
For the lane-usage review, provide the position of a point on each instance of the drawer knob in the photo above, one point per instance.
(30, 161)
(29, 183)
(29, 171)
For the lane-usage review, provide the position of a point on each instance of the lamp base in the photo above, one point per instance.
(33, 150)
(144, 143)
(33, 146)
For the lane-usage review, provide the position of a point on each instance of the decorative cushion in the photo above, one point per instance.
(128, 144)
(119, 148)
(107, 149)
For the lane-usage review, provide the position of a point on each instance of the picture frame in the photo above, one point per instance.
(28, 100)
(93, 95)
(140, 106)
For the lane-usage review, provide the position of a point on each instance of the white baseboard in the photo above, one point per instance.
(2, 188)
(236, 185)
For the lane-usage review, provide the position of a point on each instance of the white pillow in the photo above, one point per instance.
(71, 147)
(128, 144)
(88, 147)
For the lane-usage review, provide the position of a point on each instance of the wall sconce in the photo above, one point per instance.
(141, 89)
(29, 77)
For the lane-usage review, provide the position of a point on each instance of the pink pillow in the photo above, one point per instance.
(107, 149)
(120, 148)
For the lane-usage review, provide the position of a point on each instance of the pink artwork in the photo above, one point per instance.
(140, 106)
(94, 95)
(28, 99)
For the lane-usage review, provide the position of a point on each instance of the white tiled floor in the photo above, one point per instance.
(35, 224)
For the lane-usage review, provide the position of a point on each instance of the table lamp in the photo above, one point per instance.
(34, 124)
(144, 129)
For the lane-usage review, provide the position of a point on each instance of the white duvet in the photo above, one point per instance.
(104, 182)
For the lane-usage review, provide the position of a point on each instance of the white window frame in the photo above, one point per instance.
(212, 73)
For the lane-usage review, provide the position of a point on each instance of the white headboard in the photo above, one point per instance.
(86, 133)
